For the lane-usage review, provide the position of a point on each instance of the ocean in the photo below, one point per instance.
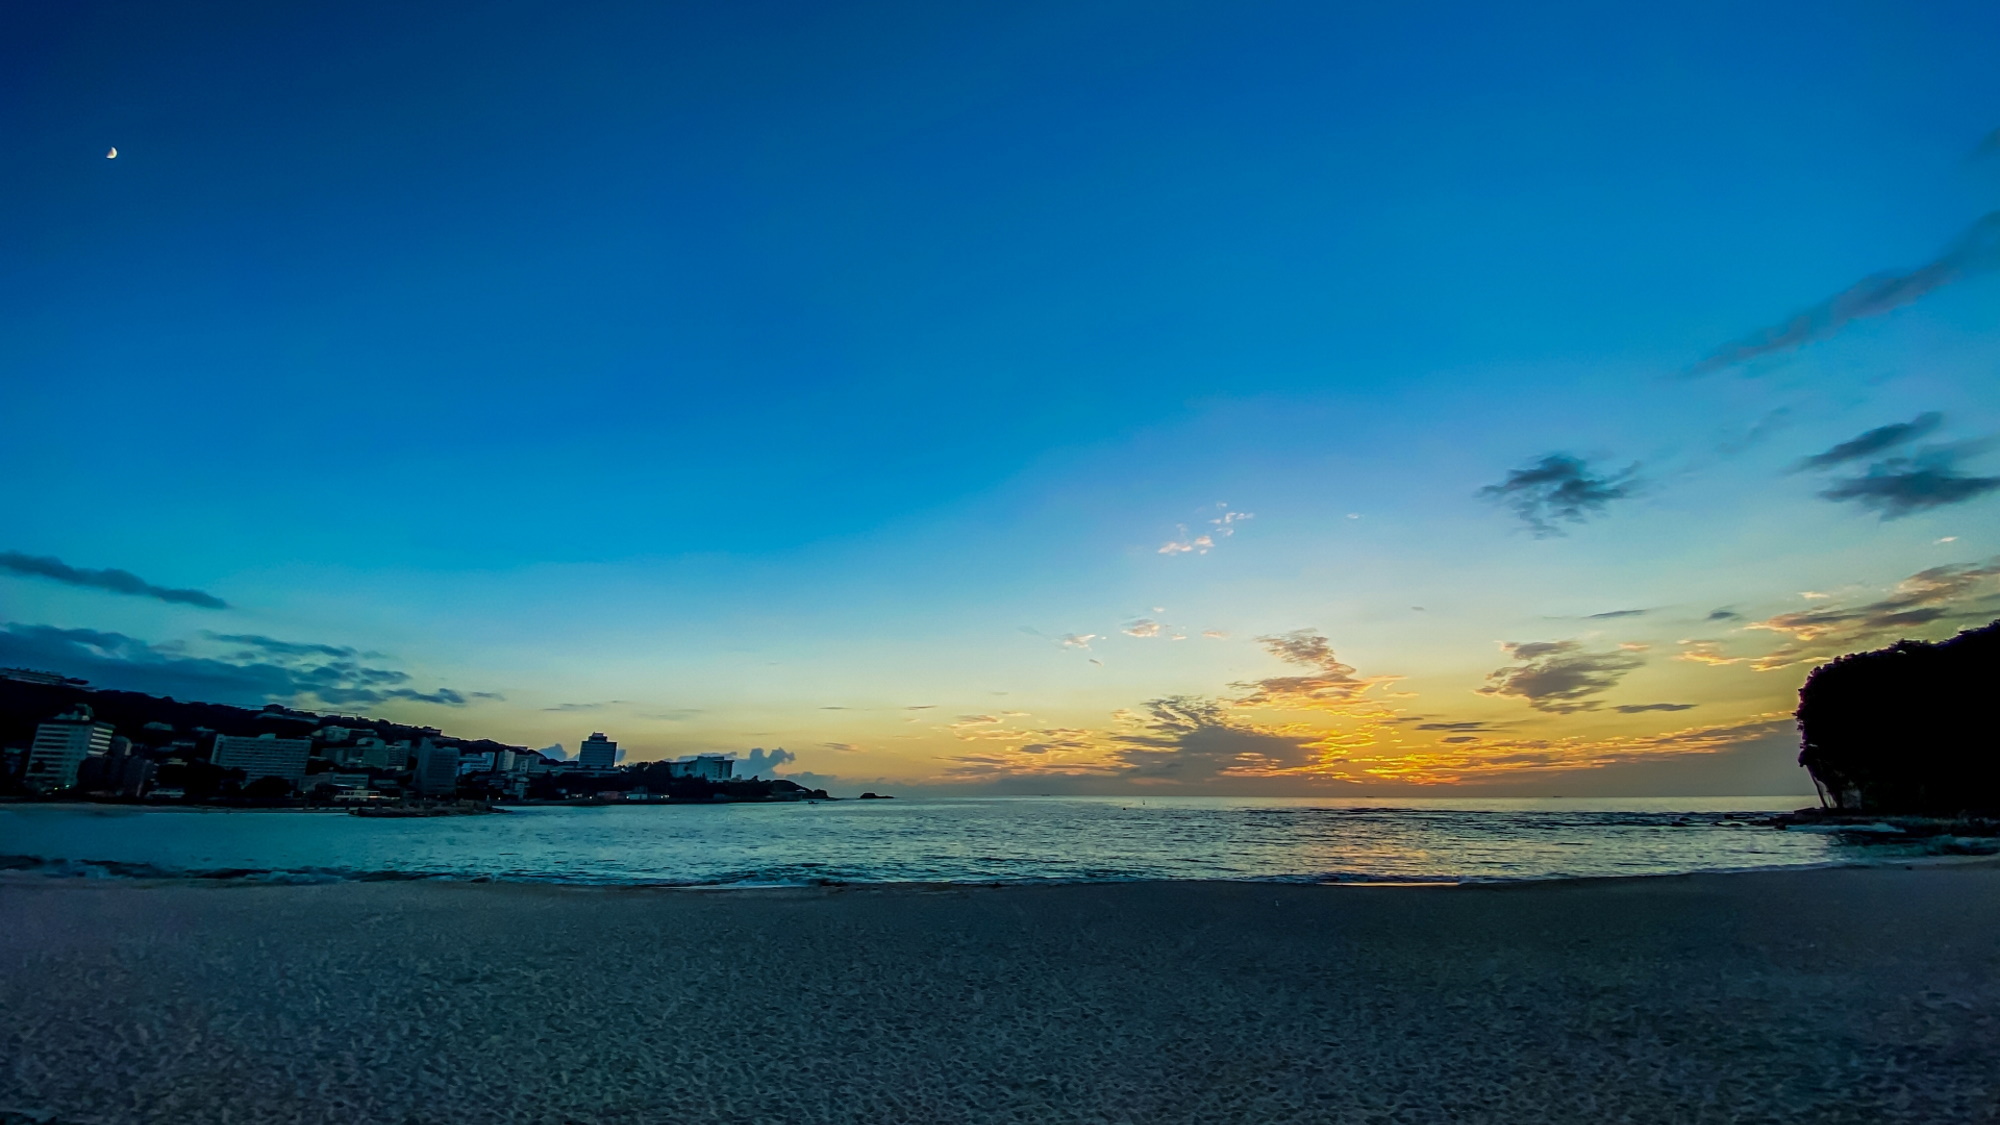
(957, 840)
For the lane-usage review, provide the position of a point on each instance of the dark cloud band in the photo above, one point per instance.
(283, 671)
(110, 581)
(1874, 441)
(1976, 250)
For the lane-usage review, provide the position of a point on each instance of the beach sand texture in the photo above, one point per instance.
(1855, 995)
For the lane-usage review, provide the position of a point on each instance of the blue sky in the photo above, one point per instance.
(733, 375)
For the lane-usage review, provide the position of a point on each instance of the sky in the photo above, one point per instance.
(1035, 398)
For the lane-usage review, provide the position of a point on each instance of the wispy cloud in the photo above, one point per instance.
(1502, 757)
(1456, 725)
(1201, 543)
(110, 581)
(586, 706)
(1559, 676)
(275, 647)
(274, 671)
(1872, 442)
(1144, 627)
(1329, 685)
(1637, 708)
(1077, 640)
(841, 747)
(1974, 251)
(1613, 614)
(1941, 595)
(1559, 489)
(1903, 486)
(1706, 652)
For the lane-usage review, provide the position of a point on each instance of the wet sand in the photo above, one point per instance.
(1858, 995)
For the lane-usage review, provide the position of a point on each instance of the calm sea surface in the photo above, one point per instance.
(996, 840)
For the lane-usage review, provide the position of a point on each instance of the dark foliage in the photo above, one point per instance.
(1909, 729)
(24, 705)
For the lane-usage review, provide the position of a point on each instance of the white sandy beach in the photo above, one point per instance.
(1855, 995)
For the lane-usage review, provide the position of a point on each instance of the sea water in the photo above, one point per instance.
(957, 840)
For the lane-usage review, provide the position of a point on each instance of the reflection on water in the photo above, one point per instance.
(1008, 839)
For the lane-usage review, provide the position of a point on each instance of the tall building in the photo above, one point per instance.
(708, 767)
(597, 753)
(437, 769)
(123, 770)
(266, 755)
(377, 754)
(61, 745)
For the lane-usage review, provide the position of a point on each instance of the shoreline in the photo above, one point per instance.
(33, 870)
(1862, 994)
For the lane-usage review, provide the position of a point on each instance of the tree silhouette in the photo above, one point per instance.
(1913, 728)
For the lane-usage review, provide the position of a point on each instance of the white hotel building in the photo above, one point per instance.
(61, 745)
(266, 755)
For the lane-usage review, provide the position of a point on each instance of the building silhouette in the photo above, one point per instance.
(62, 744)
(266, 755)
(597, 752)
(437, 769)
(708, 767)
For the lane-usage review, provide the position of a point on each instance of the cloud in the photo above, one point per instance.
(1772, 421)
(842, 747)
(1144, 627)
(1873, 442)
(1705, 652)
(760, 763)
(1559, 489)
(1903, 486)
(1224, 525)
(1187, 738)
(1940, 595)
(1175, 739)
(1723, 615)
(585, 706)
(281, 671)
(1215, 634)
(1460, 725)
(1330, 685)
(1636, 708)
(277, 647)
(676, 715)
(1499, 758)
(1615, 613)
(1559, 676)
(111, 581)
(1974, 251)
(1077, 640)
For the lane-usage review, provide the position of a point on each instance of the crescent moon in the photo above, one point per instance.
(113, 154)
